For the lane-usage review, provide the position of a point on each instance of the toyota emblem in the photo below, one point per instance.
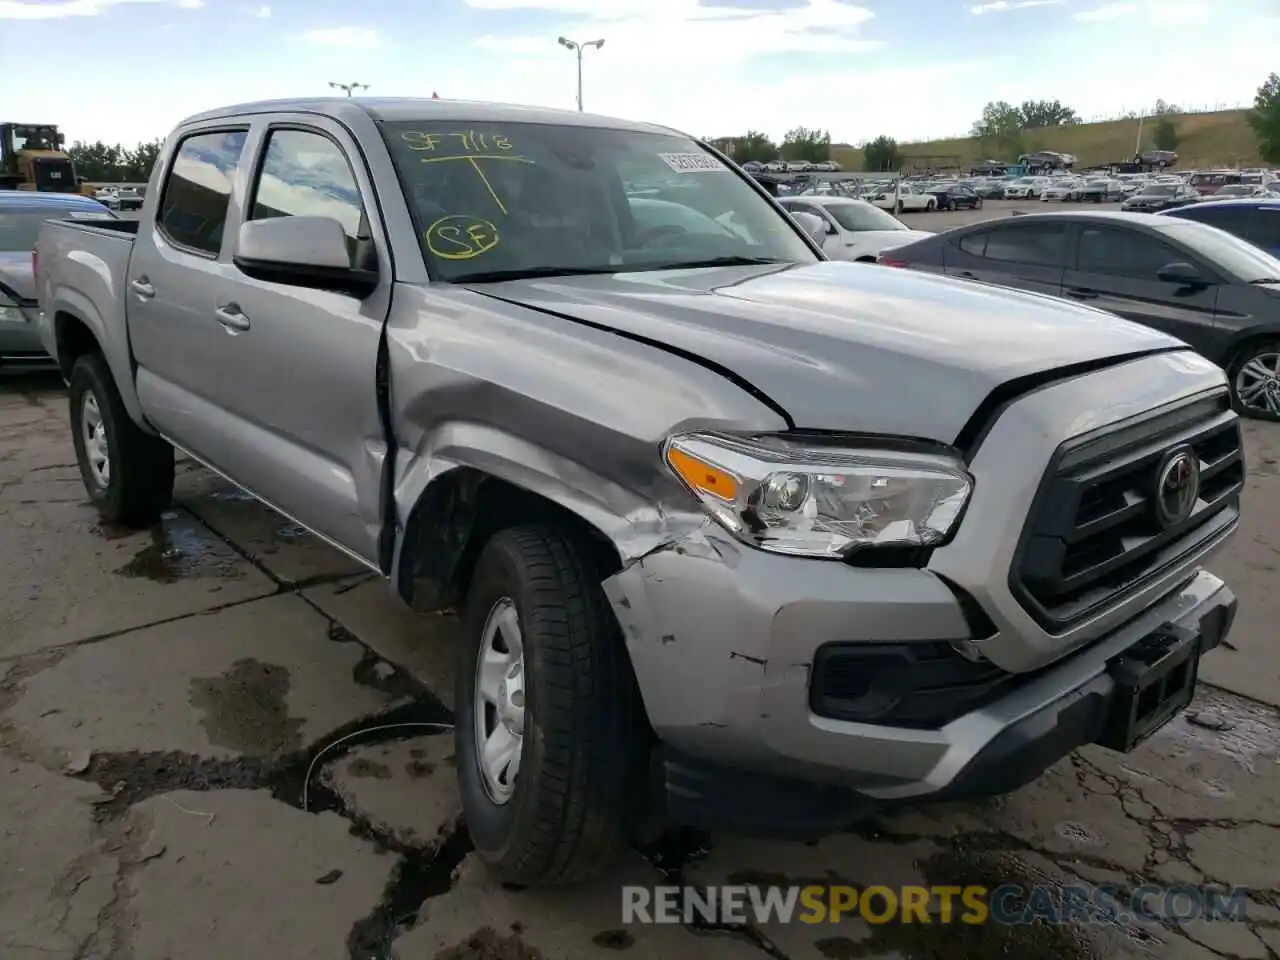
(1177, 487)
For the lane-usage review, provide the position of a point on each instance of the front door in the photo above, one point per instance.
(299, 382)
(1116, 269)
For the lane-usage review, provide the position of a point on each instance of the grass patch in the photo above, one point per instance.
(1207, 140)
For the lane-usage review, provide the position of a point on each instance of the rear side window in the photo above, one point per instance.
(1258, 225)
(1043, 245)
(974, 244)
(1124, 253)
(193, 207)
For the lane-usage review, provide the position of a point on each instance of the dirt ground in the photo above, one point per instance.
(221, 739)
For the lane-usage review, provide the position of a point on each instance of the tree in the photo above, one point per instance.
(754, 145)
(1166, 134)
(140, 161)
(1264, 118)
(881, 155)
(1000, 128)
(1046, 113)
(805, 144)
(103, 163)
(1163, 109)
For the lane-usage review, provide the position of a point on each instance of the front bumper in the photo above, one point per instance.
(20, 341)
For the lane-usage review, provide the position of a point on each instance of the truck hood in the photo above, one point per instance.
(16, 280)
(845, 346)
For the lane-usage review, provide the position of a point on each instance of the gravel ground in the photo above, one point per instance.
(174, 788)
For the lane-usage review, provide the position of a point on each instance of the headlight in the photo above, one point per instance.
(812, 500)
(10, 313)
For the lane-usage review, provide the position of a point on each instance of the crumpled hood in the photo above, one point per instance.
(16, 277)
(844, 346)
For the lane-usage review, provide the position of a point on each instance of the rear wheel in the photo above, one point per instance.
(127, 472)
(1255, 380)
(550, 745)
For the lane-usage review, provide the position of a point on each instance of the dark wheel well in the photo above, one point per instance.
(74, 340)
(457, 515)
(1237, 350)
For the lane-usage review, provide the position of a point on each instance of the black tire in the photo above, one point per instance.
(978, 204)
(1261, 348)
(898, 207)
(138, 483)
(581, 779)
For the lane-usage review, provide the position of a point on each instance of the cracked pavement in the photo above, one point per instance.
(222, 738)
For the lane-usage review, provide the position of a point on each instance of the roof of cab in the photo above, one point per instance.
(17, 199)
(394, 109)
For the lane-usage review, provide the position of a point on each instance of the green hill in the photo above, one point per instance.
(1205, 140)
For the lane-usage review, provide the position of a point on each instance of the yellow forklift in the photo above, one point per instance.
(32, 158)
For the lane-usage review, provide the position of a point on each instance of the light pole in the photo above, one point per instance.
(349, 87)
(577, 48)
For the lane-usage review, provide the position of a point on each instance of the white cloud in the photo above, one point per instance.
(345, 38)
(684, 34)
(1003, 6)
(1105, 14)
(31, 10)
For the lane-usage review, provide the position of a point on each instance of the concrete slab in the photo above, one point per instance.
(104, 580)
(238, 874)
(285, 550)
(426, 645)
(479, 920)
(406, 790)
(1250, 666)
(56, 873)
(260, 679)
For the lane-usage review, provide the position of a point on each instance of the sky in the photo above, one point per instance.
(124, 71)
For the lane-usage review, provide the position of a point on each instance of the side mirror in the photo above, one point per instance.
(301, 252)
(1181, 273)
(814, 226)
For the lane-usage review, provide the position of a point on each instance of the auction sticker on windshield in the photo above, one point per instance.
(693, 163)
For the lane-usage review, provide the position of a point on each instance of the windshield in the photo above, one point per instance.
(499, 198)
(19, 231)
(1237, 257)
(1234, 190)
(857, 216)
(1159, 190)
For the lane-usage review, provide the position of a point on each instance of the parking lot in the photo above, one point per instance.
(221, 738)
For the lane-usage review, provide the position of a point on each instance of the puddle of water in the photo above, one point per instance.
(176, 552)
(1246, 732)
(245, 710)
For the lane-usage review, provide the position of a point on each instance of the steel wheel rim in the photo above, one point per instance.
(499, 702)
(93, 432)
(1258, 384)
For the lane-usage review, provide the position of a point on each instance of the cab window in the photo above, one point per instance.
(193, 206)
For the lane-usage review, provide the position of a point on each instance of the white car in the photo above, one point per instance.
(827, 166)
(1028, 188)
(906, 199)
(1060, 189)
(856, 230)
(799, 166)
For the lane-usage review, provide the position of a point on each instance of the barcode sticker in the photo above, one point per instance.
(693, 163)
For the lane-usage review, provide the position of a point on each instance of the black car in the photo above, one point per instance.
(955, 196)
(1160, 196)
(1257, 221)
(1217, 292)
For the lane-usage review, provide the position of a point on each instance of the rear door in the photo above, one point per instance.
(1115, 268)
(1028, 256)
(298, 366)
(173, 275)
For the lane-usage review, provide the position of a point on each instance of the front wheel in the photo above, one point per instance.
(1255, 381)
(898, 207)
(549, 742)
(930, 206)
(978, 204)
(127, 472)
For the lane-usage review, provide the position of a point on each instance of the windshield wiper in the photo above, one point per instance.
(719, 262)
(533, 273)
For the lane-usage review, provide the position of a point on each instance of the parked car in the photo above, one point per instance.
(724, 519)
(798, 166)
(109, 197)
(1214, 291)
(1062, 188)
(1257, 221)
(853, 229)
(21, 214)
(1099, 190)
(905, 199)
(1027, 188)
(753, 166)
(1160, 196)
(955, 196)
(827, 166)
(1235, 191)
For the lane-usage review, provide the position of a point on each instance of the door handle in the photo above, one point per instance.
(143, 288)
(1081, 293)
(231, 318)
(966, 275)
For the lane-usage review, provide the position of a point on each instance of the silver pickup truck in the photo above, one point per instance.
(741, 538)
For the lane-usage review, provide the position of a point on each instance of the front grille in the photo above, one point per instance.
(1094, 536)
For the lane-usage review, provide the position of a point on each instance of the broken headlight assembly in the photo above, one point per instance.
(811, 499)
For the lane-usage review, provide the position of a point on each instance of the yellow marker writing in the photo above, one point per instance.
(461, 237)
